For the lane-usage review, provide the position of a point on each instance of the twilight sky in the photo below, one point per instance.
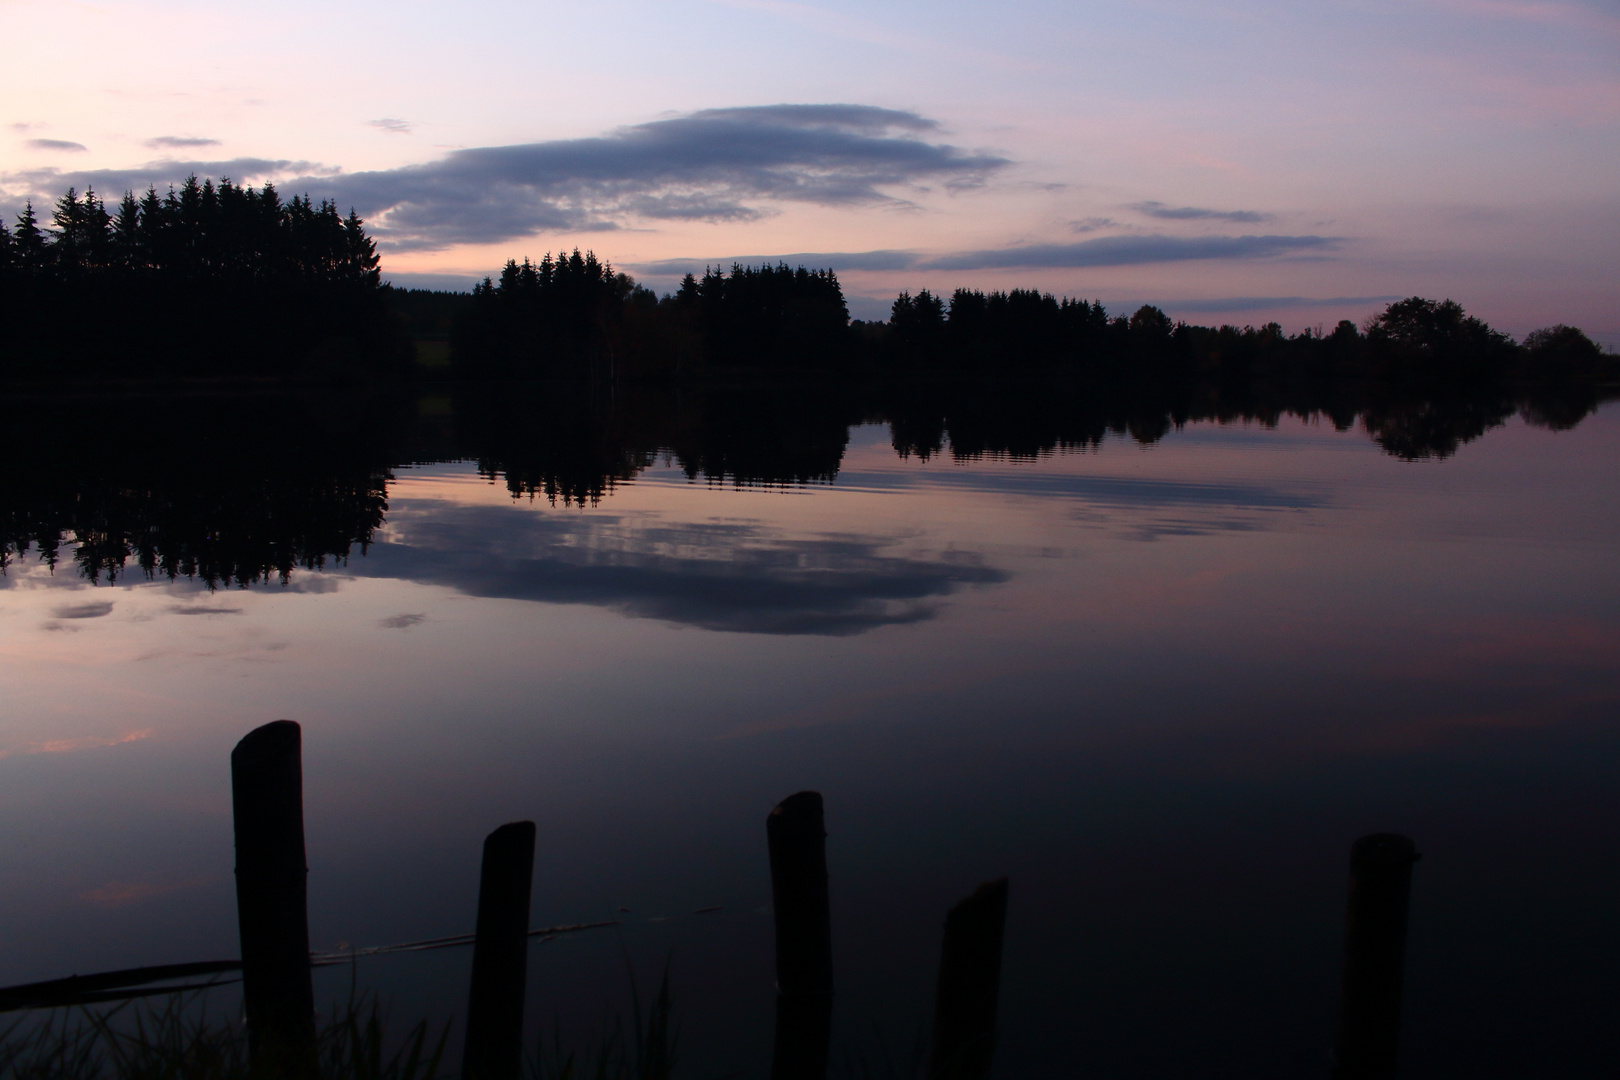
(1230, 160)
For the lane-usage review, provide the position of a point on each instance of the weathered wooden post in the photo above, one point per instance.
(1374, 957)
(494, 1043)
(797, 836)
(969, 986)
(267, 803)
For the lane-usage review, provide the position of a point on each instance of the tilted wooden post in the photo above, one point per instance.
(494, 1044)
(969, 986)
(797, 836)
(267, 802)
(1374, 957)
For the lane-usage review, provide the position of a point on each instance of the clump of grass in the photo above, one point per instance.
(178, 1042)
(646, 1051)
(876, 1058)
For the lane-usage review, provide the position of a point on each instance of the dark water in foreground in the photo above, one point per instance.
(1161, 686)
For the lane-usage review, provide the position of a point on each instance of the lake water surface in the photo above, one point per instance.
(1159, 686)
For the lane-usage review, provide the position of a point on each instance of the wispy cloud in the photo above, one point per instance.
(1129, 251)
(93, 609)
(1093, 224)
(49, 182)
(392, 126)
(117, 893)
(62, 145)
(1196, 213)
(179, 142)
(63, 746)
(1597, 18)
(204, 609)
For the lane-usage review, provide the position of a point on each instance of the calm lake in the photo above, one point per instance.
(1161, 683)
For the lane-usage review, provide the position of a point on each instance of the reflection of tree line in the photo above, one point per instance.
(234, 491)
(225, 492)
(575, 448)
(1027, 419)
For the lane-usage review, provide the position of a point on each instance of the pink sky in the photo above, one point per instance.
(1235, 161)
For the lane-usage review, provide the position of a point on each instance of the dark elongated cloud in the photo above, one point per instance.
(734, 576)
(93, 609)
(392, 125)
(714, 165)
(1129, 251)
(1196, 213)
(179, 142)
(1217, 305)
(837, 260)
(56, 144)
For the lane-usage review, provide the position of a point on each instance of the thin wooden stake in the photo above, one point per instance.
(1374, 957)
(969, 986)
(494, 1044)
(267, 802)
(796, 834)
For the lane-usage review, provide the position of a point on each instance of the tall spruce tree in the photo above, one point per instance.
(126, 234)
(32, 250)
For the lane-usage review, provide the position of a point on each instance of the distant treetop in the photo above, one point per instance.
(202, 230)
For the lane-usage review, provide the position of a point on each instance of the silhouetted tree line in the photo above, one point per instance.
(1024, 331)
(207, 279)
(218, 279)
(574, 317)
(558, 318)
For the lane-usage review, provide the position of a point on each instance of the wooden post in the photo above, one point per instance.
(494, 1044)
(267, 802)
(1374, 957)
(969, 986)
(797, 837)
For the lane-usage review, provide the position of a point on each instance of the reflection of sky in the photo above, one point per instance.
(1162, 687)
(720, 575)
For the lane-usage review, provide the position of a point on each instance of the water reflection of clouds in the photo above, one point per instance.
(1152, 508)
(1118, 491)
(64, 746)
(733, 575)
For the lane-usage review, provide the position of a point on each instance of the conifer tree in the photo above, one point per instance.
(361, 255)
(32, 251)
(126, 234)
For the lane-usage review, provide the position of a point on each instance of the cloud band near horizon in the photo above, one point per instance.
(1125, 250)
(713, 165)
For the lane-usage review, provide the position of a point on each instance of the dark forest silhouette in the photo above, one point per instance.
(573, 317)
(205, 280)
(218, 280)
